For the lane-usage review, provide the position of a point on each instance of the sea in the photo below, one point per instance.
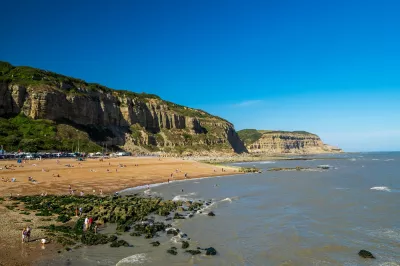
(319, 217)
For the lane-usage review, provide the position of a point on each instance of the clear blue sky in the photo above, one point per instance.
(329, 67)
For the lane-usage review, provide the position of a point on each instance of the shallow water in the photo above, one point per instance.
(279, 218)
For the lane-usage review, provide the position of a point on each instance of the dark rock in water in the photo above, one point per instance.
(172, 251)
(193, 252)
(174, 248)
(173, 231)
(135, 234)
(119, 243)
(178, 216)
(190, 215)
(185, 244)
(183, 235)
(211, 251)
(112, 238)
(211, 214)
(207, 203)
(155, 244)
(168, 219)
(366, 254)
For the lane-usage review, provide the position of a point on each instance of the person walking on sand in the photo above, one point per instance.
(80, 211)
(76, 211)
(23, 234)
(28, 233)
(90, 222)
(86, 224)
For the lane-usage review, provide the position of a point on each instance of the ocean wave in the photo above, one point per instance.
(266, 162)
(353, 159)
(381, 189)
(388, 160)
(140, 258)
(185, 197)
(375, 159)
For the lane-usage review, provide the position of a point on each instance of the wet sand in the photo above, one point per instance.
(88, 176)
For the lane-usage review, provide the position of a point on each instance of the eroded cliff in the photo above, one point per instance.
(134, 122)
(284, 142)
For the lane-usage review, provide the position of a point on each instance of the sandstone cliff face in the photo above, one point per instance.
(280, 142)
(134, 121)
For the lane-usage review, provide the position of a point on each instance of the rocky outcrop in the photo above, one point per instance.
(136, 121)
(285, 142)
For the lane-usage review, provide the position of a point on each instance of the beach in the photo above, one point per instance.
(91, 176)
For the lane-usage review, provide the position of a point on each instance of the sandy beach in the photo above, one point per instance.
(90, 177)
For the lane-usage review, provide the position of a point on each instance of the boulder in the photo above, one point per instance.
(366, 254)
(211, 214)
(211, 251)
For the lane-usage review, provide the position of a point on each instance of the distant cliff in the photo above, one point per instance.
(48, 111)
(284, 142)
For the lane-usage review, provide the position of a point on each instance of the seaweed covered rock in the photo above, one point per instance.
(185, 244)
(178, 216)
(173, 231)
(112, 238)
(366, 254)
(91, 239)
(211, 251)
(172, 251)
(63, 218)
(119, 243)
(193, 252)
(155, 244)
(135, 234)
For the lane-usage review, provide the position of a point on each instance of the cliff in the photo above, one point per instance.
(62, 110)
(284, 142)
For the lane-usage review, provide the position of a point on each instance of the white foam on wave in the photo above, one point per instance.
(353, 159)
(227, 199)
(388, 160)
(140, 258)
(266, 162)
(375, 159)
(185, 197)
(381, 189)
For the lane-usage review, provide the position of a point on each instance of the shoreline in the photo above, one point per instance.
(135, 173)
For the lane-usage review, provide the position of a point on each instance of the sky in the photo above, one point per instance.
(327, 67)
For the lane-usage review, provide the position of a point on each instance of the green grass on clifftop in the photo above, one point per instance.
(249, 136)
(26, 134)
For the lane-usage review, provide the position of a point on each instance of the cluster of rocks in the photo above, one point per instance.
(130, 213)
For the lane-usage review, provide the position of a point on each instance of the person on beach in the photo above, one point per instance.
(80, 211)
(86, 224)
(76, 211)
(185, 175)
(82, 194)
(23, 235)
(101, 192)
(90, 222)
(95, 228)
(28, 233)
(168, 180)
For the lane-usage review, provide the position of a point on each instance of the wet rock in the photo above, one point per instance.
(211, 214)
(91, 239)
(119, 243)
(172, 251)
(182, 235)
(168, 219)
(155, 244)
(135, 234)
(112, 238)
(178, 216)
(193, 252)
(185, 244)
(366, 254)
(172, 231)
(211, 251)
